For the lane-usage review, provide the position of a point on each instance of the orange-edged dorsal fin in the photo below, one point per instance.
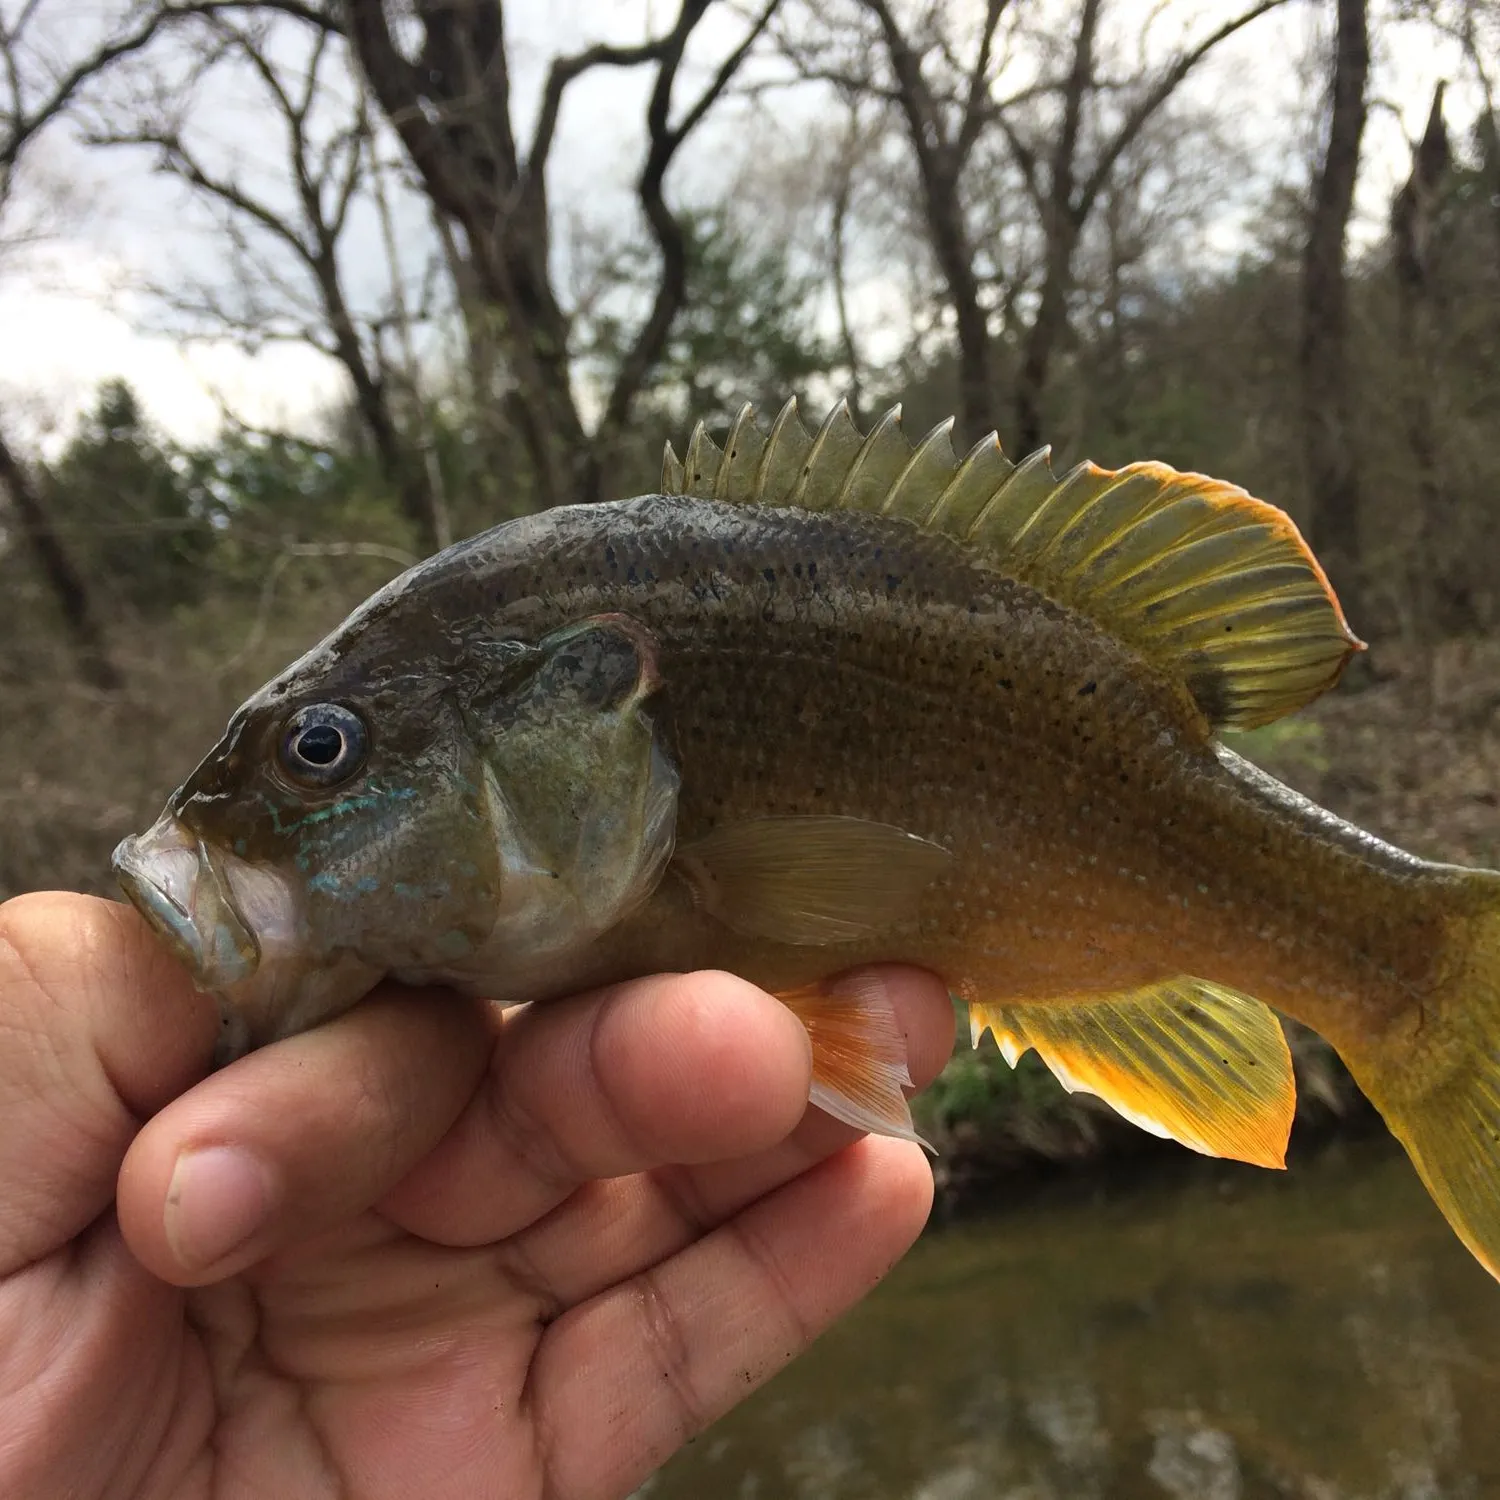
(1187, 1060)
(859, 1054)
(1208, 583)
(810, 880)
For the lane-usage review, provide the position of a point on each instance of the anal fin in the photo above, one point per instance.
(1188, 1060)
(859, 1054)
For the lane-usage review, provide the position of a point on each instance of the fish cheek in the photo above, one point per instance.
(401, 869)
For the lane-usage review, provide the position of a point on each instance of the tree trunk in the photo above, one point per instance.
(1332, 469)
(398, 463)
(941, 155)
(452, 111)
(451, 108)
(1489, 138)
(1062, 222)
(1440, 588)
(1042, 339)
(68, 586)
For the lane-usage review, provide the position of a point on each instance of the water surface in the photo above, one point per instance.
(1216, 1333)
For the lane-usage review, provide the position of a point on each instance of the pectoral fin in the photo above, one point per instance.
(811, 880)
(859, 1055)
(1186, 1060)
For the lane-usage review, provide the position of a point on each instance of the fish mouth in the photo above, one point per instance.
(174, 882)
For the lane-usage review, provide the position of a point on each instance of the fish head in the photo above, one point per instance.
(436, 816)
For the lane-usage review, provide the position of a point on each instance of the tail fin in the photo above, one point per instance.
(1440, 1091)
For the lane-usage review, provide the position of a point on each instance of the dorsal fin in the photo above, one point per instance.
(1204, 580)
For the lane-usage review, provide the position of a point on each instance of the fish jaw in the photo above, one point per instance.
(239, 928)
(173, 882)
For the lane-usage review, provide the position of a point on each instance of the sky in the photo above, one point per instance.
(78, 307)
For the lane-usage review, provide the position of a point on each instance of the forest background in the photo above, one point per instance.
(404, 271)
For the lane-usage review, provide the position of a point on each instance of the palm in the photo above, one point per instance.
(477, 1276)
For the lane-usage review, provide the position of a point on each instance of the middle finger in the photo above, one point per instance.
(469, 1192)
(675, 1068)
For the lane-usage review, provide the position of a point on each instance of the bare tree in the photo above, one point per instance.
(936, 76)
(1066, 131)
(449, 99)
(1479, 34)
(75, 599)
(286, 245)
(943, 133)
(1323, 362)
(841, 185)
(35, 91)
(1439, 584)
(1066, 176)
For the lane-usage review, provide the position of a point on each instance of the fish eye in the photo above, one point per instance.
(322, 745)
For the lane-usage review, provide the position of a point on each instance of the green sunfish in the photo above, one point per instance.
(829, 699)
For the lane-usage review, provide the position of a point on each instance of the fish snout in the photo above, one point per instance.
(173, 881)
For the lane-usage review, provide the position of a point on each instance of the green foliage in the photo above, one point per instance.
(129, 509)
(979, 1088)
(748, 332)
(1285, 747)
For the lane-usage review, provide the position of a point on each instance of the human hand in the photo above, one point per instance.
(518, 1256)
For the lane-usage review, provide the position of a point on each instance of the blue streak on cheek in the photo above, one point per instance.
(328, 884)
(372, 799)
(433, 891)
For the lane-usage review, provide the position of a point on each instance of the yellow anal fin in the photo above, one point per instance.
(1186, 1060)
(811, 880)
(1208, 583)
(859, 1054)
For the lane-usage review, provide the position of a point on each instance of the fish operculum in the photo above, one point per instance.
(580, 785)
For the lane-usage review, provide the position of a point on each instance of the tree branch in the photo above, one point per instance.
(976, 101)
(563, 72)
(1163, 90)
(23, 125)
(665, 140)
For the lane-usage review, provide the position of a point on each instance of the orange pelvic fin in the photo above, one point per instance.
(859, 1054)
(1187, 1060)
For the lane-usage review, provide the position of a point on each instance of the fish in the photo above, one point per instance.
(831, 698)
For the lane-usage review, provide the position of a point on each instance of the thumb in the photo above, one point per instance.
(99, 1028)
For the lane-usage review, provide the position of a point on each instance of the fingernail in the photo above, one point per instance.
(219, 1196)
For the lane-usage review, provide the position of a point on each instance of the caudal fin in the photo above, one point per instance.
(1439, 1090)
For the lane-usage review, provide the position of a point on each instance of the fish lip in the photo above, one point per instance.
(172, 879)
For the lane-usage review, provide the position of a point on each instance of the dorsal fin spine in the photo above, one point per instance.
(923, 454)
(672, 474)
(744, 423)
(946, 511)
(784, 429)
(879, 433)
